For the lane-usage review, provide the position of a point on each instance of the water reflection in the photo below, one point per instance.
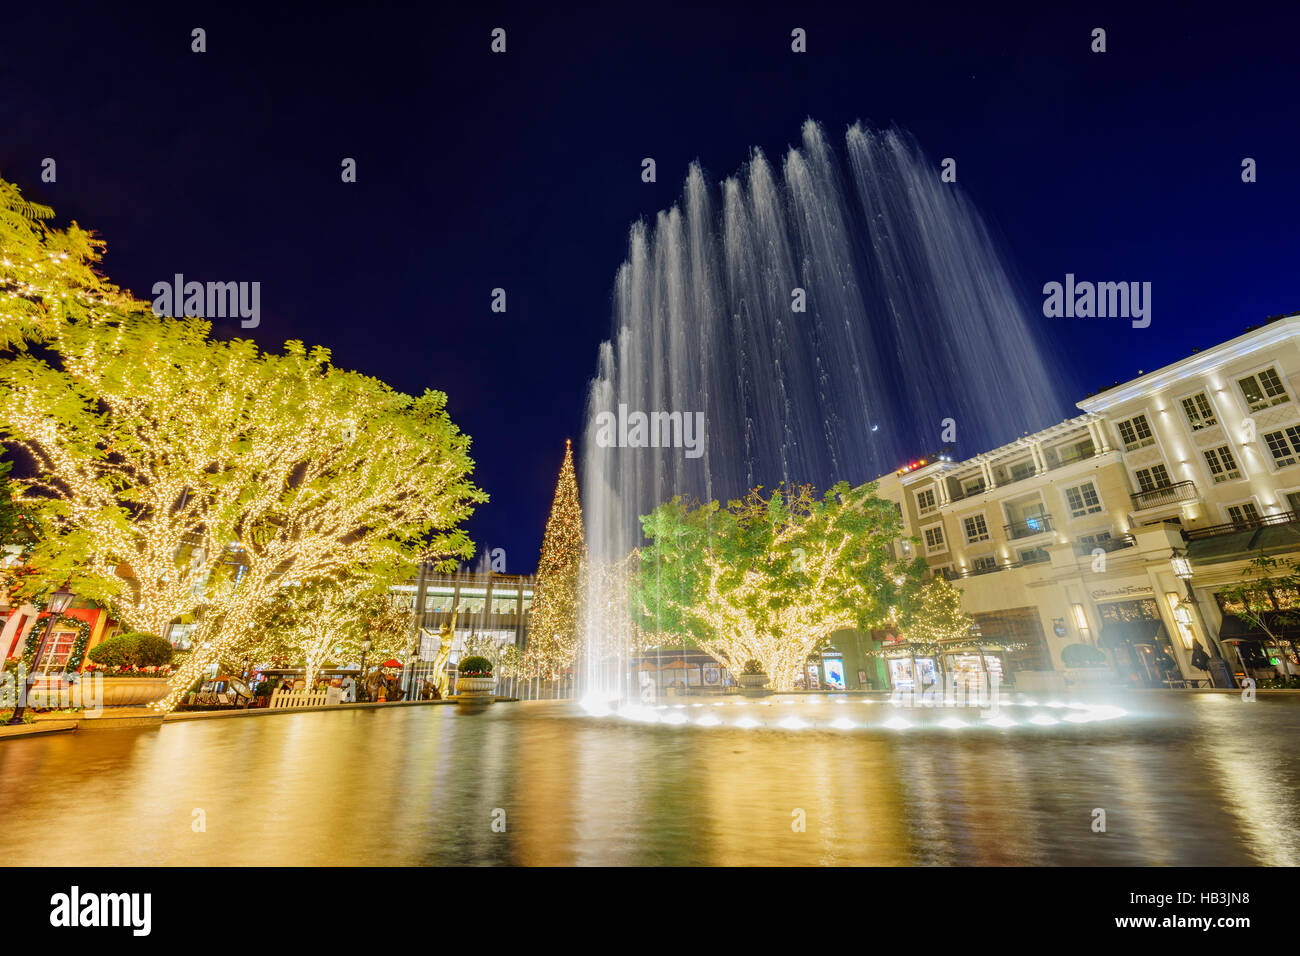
(1187, 780)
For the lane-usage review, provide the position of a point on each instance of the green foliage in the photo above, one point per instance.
(47, 276)
(1290, 682)
(1268, 595)
(1082, 655)
(474, 666)
(133, 650)
(752, 667)
(16, 527)
(773, 578)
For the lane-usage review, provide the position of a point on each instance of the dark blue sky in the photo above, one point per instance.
(523, 170)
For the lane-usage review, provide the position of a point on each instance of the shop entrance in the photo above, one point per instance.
(1136, 638)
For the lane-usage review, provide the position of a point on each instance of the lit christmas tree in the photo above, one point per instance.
(553, 624)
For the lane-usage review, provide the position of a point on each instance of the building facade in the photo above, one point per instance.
(1066, 536)
(485, 604)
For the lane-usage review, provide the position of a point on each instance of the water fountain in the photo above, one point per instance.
(830, 321)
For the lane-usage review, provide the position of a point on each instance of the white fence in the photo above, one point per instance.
(285, 699)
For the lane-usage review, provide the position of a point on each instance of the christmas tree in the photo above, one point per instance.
(553, 623)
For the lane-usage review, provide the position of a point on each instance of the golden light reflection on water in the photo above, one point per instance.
(1184, 780)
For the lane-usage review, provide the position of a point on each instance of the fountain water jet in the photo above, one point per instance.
(910, 320)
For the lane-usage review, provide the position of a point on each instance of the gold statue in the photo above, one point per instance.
(447, 635)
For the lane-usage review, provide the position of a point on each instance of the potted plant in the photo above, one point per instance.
(136, 669)
(752, 679)
(474, 681)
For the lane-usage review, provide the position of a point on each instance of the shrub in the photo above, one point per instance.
(475, 667)
(1290, 682)
(1082, 655)
(152, 650)
(112, 652)
(752, 667)
(132, 650)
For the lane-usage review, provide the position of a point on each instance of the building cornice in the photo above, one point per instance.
(1280, 330)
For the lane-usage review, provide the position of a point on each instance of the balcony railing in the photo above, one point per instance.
(1085, 548)
(1165, 495)
(1246, 524)
(1027, 527)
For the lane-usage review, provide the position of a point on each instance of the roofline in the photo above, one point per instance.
(1276, 331)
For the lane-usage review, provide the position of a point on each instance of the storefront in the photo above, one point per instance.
(902, 674)
(823, 671)
(1135, 637)
(1265, 648)
(972, 668)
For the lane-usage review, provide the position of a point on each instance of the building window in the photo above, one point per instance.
(977, 529)
(1148, 479)
(1223, 467)
(1136, 433)
(54, 657)
(1284, 445)
(1245, 513)
(972, 486)
(1083, 500)
(1263, 390)
(1097, 540)
(1022, 470)
(1034, 555)
(925, 502)
(1198, 411)
(1078, 451)
(984, 563)
(934, 539)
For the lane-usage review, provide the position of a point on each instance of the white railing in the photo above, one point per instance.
(285, 699)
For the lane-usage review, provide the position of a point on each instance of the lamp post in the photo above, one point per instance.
(1182, 567)
(57, 604)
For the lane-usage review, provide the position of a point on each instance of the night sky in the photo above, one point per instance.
(522, 171)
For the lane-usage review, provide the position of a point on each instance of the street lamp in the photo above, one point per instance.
(1182, 568)
(58, 603)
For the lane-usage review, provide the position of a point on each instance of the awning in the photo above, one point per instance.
(1118, 633)
(1235, 628)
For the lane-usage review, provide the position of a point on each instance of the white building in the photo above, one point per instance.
(1066, 535)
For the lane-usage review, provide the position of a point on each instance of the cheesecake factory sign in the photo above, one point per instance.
(1127, 591)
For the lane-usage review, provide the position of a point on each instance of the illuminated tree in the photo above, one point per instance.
(315, 623)
(553, 621)
(48, 276)
(773, 578)
(179, 475)
(932, 613)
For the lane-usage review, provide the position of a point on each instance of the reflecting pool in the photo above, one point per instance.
(1184, 779)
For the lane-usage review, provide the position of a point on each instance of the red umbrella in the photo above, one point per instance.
(392, 663)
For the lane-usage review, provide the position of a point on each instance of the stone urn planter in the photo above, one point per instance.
(753, 685)
(477, 688)
(133, 691)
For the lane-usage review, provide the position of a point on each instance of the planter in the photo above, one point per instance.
(133, 691)
(753, 685)
(123, 691)
(474, 693)
(90, 691)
